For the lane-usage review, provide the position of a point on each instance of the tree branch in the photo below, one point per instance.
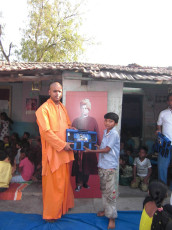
(3, 52)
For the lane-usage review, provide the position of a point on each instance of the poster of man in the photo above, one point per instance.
(86, 111)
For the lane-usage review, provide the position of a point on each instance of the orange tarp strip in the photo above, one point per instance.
(14, 192)
(18, 194)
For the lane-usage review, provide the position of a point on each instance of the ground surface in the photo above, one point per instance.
(129, 199)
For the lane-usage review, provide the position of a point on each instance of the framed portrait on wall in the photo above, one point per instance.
(31, 105)
(36, 85)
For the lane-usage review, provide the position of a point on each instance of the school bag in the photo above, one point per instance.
(163, 145)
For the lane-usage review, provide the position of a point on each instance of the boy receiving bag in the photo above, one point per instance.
(108, 167)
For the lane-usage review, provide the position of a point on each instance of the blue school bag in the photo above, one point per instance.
(163, 145)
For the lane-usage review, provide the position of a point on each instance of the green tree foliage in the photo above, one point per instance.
(52, 34)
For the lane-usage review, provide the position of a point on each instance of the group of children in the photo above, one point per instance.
(20, 160)
(154, 215)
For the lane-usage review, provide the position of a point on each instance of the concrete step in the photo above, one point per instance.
(129, 199)
(124, 191)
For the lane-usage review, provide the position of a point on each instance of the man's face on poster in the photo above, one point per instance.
(84, 111)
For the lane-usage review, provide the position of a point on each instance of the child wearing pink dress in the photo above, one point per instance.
(26, 167)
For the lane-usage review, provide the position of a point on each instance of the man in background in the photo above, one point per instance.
(164, 126)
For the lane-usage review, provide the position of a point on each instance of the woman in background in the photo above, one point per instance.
(5, 125)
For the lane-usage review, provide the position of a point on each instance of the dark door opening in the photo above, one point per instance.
(131, 123)
(42, 99)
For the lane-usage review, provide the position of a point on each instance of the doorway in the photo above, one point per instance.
(131, 123)
(5, 99)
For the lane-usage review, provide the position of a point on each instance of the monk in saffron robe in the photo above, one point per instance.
(53, 120)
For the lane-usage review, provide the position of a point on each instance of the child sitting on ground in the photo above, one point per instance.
(154, 215)
(6, 140)
(17, 157)
(129, 152)
(37, 176)
(11, 157)
(6, 171)
(14, 138)
(141, 170)
(36, 153)
(125, 171)
(26, 167)
(108, 167)
(25, 138)
(122, 150)
(1, 145)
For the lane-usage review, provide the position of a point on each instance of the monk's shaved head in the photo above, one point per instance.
(55, 92)
(55, 83)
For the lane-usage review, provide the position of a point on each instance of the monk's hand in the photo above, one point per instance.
(71, 127)
(67, 147)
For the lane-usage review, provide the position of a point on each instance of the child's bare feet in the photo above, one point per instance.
(111, 223)
(101, 213)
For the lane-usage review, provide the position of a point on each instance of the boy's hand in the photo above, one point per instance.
(87, 150)
(98, 147)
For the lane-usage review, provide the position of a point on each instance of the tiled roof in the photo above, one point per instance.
(131, 72)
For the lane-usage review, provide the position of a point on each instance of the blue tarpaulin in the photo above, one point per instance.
(127, 220)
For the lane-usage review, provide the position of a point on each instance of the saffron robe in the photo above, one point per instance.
(57, 192)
